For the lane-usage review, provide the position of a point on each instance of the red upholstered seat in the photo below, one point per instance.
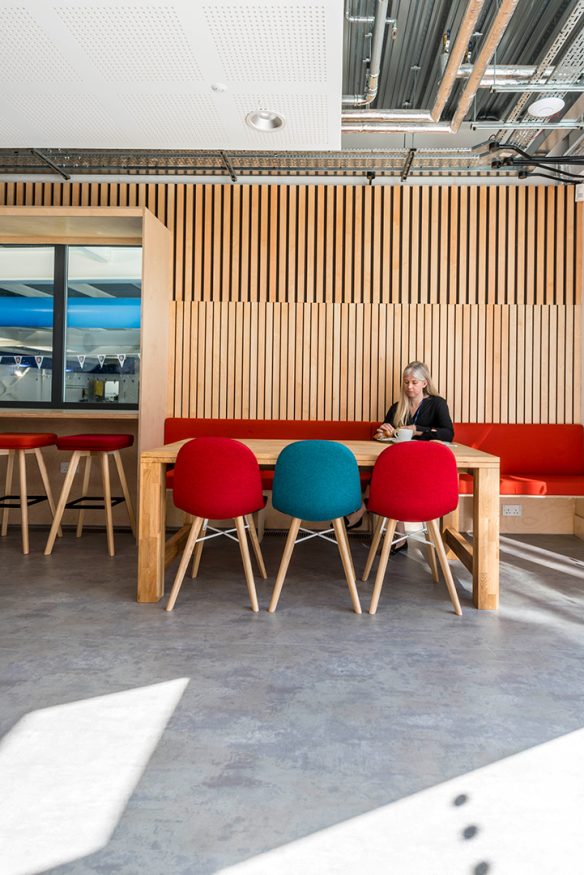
(26, 441)
(217, 478)
(415, 482)
(99, 443)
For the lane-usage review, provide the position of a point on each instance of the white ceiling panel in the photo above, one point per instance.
(181, 75)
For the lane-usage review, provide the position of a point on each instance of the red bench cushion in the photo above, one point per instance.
(525, 449)
(179, 428)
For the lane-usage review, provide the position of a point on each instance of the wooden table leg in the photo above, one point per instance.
(485, 577)
(151, 531)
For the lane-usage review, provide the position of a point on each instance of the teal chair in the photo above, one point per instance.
(317, 481)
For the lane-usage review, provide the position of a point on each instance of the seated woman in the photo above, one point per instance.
(420, 408)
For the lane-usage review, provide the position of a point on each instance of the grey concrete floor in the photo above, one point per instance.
(294, 722)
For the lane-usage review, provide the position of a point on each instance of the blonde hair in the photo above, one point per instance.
(421, 372)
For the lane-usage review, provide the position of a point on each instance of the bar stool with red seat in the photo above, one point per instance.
(413, 482)
(16, 445)
(218, 478)
(87, 446)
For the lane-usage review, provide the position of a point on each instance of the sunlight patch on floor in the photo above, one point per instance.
(67, 772)
(521, 815)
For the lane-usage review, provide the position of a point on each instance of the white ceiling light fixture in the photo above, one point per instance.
(265, 120)
(545, 106)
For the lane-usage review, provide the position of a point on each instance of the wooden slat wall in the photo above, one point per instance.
(305, 301)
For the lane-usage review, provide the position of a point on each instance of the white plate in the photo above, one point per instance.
(387, 440)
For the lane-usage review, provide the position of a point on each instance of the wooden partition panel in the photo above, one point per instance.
(306, 301)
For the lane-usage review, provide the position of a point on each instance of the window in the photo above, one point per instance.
(70, 326)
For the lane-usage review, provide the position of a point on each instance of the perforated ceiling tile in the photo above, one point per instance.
(133, 42)
(262, 43)
(63, 120)
(26, 52)
(174, 120)
(306, 119)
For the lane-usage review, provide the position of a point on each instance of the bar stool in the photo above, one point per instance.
(87, 446)
(17, 445)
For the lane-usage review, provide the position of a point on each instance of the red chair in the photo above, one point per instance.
(16, 446)
(89, 446)
(413, 482)
(201, 465)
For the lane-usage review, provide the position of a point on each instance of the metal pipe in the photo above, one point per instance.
(456, 56)
(498, 28)
(550, 88)
(375, 63)
(365, 127)
(505, 71)
(385, 115)
(528, 126)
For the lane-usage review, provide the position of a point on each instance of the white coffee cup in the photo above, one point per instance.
(404, 434)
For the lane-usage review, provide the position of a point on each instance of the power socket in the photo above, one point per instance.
(512, 510)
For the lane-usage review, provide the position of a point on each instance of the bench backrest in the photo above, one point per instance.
(178, 428)
(527, 449)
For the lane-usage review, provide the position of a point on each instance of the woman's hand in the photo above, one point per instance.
(385, 430)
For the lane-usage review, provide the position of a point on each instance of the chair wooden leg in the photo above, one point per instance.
(253, 536)
(261, 523)
(84, 491)
(107, 497)
(243, 546)
(344, 550)
(73, 465)
(199, 549)
(374, 546)
(7, 489)
(23, 499)
(431, 557)
(47, 484)
(193, 535)
(436, 537)
(284, 563)
(125, 490)
(391, 524)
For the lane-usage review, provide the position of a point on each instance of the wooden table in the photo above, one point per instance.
(481, 558)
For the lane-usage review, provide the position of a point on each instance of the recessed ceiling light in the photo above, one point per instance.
(545, 107)
(265, 120)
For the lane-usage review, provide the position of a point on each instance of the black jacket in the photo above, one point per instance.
(432, 419)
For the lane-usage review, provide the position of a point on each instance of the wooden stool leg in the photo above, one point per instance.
(7, 489)
(374, 545)
(391, 524)
(84, 491)
(431, 557)
(343, 542)
(73, 465)
(47, 484)
(125, 490)
(199, 549)
(437, 539)
(193, 535)
(23, 499)
(107, 494)
(255, 543)
(285, 562)
(242, 538)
